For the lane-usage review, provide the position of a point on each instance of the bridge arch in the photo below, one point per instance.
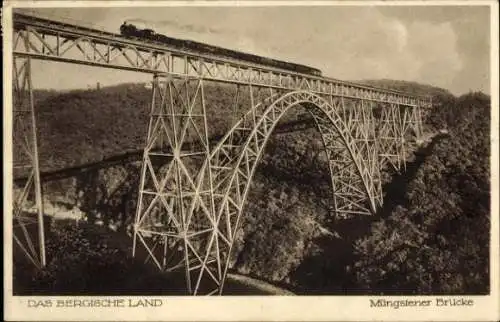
(235, 159)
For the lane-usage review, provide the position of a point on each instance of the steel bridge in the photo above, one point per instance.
(192, 196)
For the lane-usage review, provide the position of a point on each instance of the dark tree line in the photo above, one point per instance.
(437, 239)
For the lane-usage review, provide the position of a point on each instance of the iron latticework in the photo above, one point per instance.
(396, 125)
(192, 191)
(175, 208)
(28, 225)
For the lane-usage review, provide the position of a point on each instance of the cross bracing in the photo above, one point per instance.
(192, 194)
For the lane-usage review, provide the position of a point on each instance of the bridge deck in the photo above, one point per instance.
(46, 39)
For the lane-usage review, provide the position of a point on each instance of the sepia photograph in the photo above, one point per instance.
(273, 156)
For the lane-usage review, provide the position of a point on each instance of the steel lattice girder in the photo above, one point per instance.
(51, 40)
(394, 125)
(175, 207)
(28, 228)
(390, 137)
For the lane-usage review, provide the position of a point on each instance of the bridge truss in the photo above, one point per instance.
(192, 193)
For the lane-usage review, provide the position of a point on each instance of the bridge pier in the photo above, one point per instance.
(175, 220)
(397, 125)
(28, 228)
(391, 136)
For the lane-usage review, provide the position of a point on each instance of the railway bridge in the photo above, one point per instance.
(192, 193)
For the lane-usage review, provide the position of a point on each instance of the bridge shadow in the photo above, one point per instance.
(395, 190)
(329, 271)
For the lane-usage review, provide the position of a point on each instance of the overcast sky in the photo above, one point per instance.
(446, 46)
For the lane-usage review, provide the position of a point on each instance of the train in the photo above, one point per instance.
(129, 30)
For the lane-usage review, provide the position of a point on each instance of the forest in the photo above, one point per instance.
(431, 236)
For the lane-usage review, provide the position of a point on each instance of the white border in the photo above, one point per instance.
(320, 308)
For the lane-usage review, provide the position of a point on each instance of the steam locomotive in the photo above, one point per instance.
(131, 31)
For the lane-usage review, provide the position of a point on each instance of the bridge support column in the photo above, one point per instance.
(28, 228)
(391, 139)
(398, 125)
(175, 221)
(366, 141)
(413, 119)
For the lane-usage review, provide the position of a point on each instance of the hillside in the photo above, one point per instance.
(433, 213)
(83, 126)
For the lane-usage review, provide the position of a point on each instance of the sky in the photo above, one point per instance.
(445, 46)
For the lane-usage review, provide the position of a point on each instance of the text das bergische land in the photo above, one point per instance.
(96, 303)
